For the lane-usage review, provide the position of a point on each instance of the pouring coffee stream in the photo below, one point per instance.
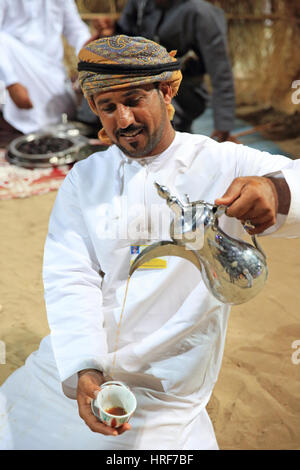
(233, 271)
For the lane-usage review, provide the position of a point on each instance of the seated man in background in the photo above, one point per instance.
(198, 31)
(31, 63)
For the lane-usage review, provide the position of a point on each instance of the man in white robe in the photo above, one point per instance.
(31, 60)
(173, 331)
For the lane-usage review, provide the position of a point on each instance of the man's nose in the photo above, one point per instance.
(125, 116)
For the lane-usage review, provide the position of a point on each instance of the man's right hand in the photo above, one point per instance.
(20, 96)
(89, 384)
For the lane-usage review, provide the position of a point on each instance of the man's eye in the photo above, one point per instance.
(108, 109)
(133, 102)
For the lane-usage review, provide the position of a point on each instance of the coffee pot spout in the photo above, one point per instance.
(164, 248)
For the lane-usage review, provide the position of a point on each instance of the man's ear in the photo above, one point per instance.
(166, 91)
(92, 104)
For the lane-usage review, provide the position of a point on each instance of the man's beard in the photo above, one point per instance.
(152, 139)
(152, 142)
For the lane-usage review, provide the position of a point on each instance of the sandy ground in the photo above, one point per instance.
(255, 404)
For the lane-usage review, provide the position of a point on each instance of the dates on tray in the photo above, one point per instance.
(44, 145)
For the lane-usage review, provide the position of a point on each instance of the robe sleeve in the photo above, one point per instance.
(7, 73)
(251, 162)
(72, 286)
(210, 40)
(2, 12)
(74, 29)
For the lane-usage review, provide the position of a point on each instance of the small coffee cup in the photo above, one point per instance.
(114, 404)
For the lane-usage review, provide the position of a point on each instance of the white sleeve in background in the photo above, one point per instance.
(251, 162)
(2, 12)
(7, 73)
(72, 286)
(74, 29)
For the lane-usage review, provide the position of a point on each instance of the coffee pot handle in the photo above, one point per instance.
(248, 225)
(220, 210)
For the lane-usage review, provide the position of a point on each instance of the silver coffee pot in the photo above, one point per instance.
(233, 271)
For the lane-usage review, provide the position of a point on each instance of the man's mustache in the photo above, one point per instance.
(128, 130)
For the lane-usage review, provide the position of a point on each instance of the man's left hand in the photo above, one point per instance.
(252, 198)
(89, 384)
